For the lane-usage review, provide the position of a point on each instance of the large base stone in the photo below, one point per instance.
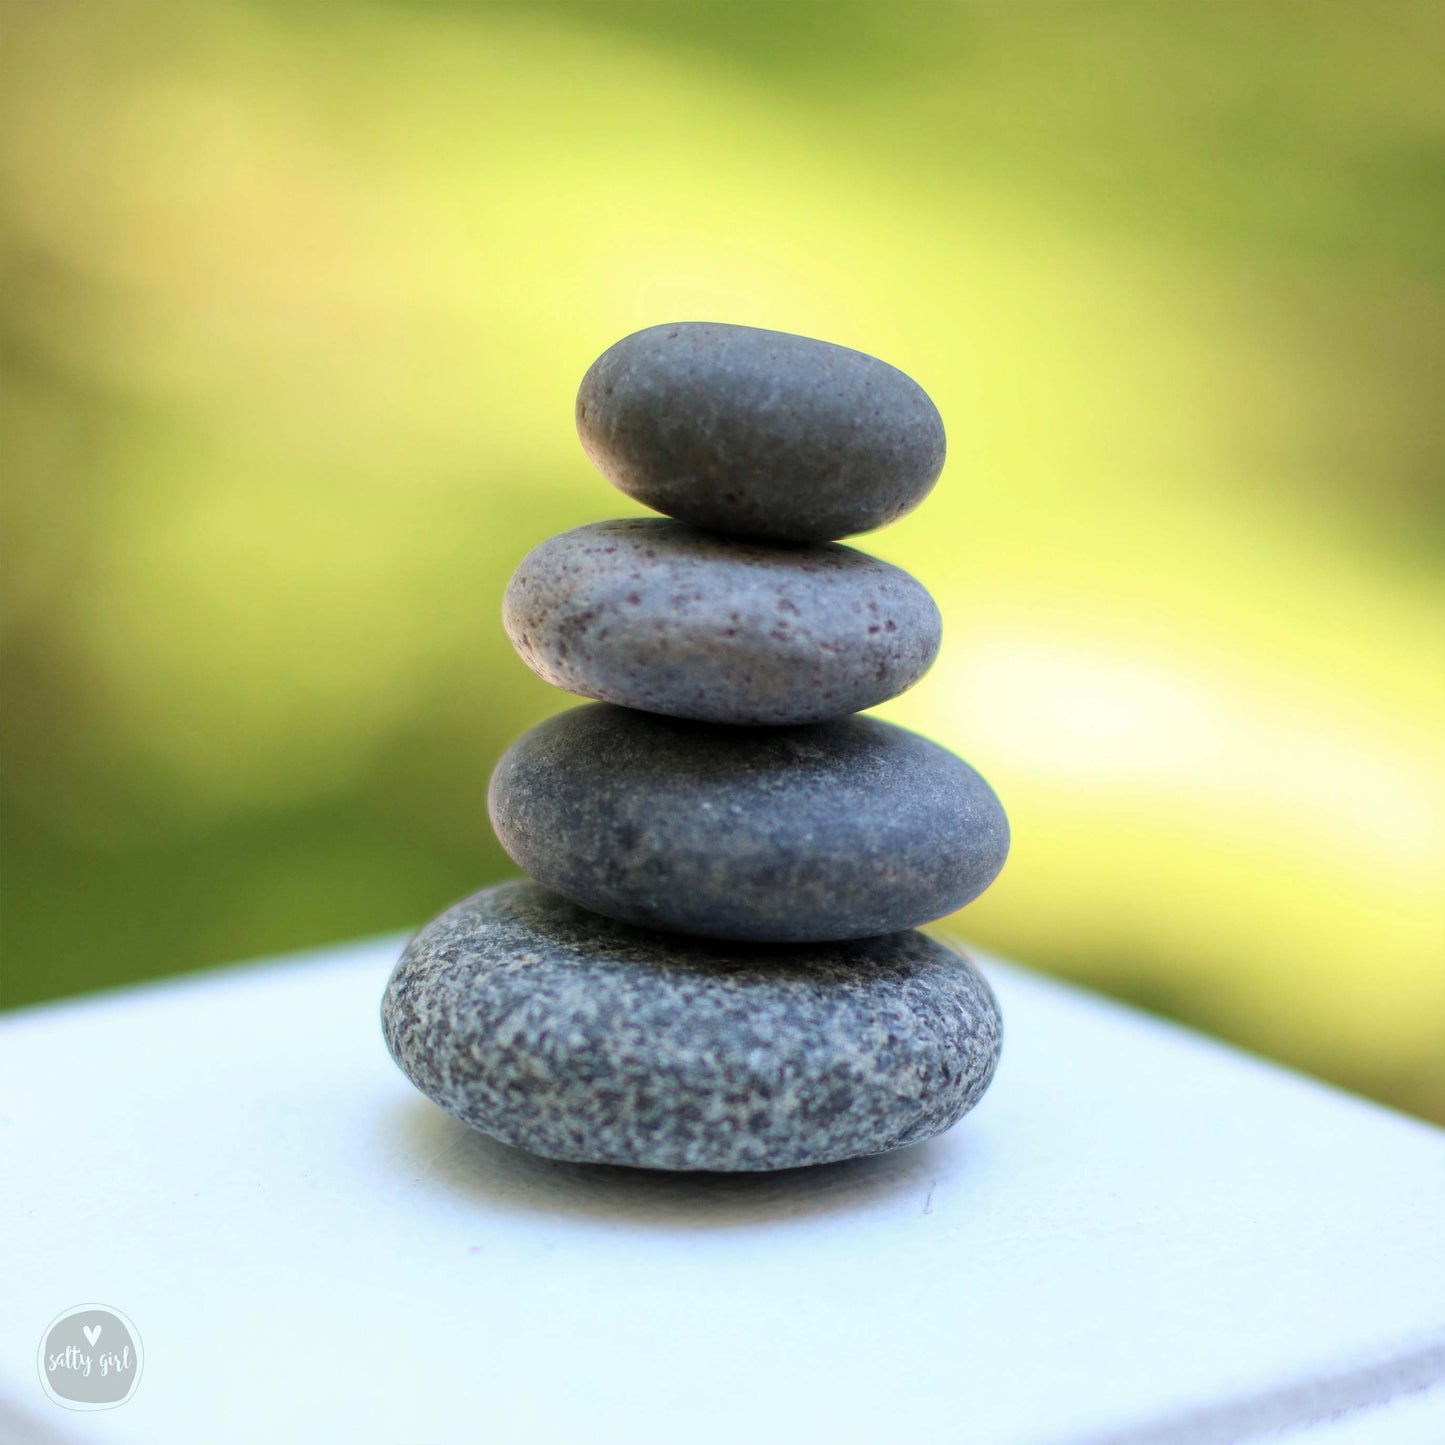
(580, 1038)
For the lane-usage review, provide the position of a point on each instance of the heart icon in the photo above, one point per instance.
(91, 1333)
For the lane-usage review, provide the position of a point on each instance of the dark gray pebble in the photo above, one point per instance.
(656, 615)
(579, 1038)
(759, 433)
(832, 830)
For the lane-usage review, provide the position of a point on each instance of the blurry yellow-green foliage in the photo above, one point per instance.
(296, 300)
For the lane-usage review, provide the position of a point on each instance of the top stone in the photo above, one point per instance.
(759, 433)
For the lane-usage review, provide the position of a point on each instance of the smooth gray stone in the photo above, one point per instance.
(759, 433)
(579, 1038)
(833, 830)
(656, 615)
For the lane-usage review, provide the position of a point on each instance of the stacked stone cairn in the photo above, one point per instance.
(715, 962)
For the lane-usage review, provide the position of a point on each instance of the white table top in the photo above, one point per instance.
(1139, 1234)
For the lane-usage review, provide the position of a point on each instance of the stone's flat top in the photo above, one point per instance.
(1138, 1233)
(576, 1037)
(842, 829)
(759, 433)
(653, 614)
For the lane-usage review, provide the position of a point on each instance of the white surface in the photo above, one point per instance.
(1138, 1234)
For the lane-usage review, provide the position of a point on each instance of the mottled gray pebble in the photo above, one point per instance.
(759, 433)
(579, 1038)
(656, 615)
(831, 830)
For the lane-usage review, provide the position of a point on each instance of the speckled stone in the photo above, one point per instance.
(578, 1038)
(759, 433)
(832, 830)
(656, 615)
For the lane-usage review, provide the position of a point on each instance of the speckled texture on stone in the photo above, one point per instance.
(832, 830)
(759, 433)
(578, 1038)
(657, 615)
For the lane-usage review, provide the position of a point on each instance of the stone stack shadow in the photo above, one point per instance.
(715, 963)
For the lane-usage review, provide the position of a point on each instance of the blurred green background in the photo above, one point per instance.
(296, 301)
